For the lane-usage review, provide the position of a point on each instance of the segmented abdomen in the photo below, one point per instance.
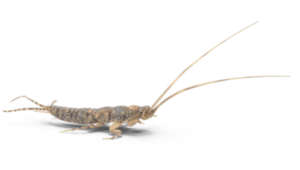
(88, 115)
(80, 115)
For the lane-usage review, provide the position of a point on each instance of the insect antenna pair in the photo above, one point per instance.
(153, 108)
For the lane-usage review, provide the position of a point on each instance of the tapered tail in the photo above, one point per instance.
(40, 110)
(31, 100)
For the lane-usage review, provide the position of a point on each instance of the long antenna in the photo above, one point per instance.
(211, 82)
(195, 63)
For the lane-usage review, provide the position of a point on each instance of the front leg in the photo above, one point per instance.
(114, 129)
(133, 122)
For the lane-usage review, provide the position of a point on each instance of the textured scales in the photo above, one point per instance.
(89, 116)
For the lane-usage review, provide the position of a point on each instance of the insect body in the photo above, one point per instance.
(88, 116)
(94, 118)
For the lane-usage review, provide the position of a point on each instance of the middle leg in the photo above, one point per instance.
(114, 129)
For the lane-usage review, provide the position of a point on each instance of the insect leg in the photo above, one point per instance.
(134, 121)
(42, 112)
(27, 98)
(114, 129)
(85, 127)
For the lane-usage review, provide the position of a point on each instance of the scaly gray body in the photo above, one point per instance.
(92, 115)
(95, 118)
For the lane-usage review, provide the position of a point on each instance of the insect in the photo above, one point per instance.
(96, 117)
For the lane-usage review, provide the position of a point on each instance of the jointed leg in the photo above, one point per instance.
(92, 126)
(41, 112)
(133, 122)
(114, 129)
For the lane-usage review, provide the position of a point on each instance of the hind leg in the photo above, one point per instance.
(114, 129)
(92, 126)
